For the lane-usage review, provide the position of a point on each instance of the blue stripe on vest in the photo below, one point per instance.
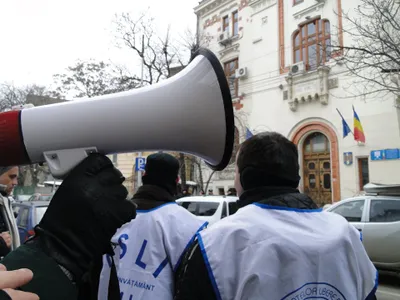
(265, 206)
(208, 266)
(189, 244)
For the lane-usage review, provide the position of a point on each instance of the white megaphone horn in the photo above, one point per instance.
(190, 112)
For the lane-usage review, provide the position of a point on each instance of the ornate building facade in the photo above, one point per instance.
(285, 76)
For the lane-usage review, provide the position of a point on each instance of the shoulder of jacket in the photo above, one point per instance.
(229, 225)
(170, 214)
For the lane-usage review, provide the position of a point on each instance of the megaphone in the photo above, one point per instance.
(190, 112)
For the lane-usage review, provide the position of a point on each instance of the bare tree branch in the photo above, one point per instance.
(373, 57)
(138, 35)
(92, 78)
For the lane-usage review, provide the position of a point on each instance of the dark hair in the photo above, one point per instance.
(268, 158)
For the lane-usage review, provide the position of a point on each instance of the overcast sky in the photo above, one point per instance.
(42, 37)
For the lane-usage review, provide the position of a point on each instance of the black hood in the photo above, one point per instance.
(277, 196)
(150, 196)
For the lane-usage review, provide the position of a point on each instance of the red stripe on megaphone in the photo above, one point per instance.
(12, 148)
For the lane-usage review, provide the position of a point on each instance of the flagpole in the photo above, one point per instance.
(346, 122)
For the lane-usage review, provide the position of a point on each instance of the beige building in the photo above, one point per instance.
(284, 77)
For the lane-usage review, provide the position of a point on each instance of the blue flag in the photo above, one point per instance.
(249, 134)
(346, 127)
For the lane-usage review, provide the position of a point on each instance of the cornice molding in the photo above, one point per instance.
(300, 14)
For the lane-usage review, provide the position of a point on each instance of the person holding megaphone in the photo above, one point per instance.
(75, 232)
(90, 205)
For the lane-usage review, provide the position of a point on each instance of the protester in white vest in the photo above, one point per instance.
(149, 248)
(279, 245)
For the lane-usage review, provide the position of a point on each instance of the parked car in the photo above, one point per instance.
(326, 206)
(377, 216)
(29, 214)
(41, 197)
(210, 208)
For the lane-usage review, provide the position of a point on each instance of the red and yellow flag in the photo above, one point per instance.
(358, 129)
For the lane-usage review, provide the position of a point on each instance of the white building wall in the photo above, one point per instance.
(262, 97)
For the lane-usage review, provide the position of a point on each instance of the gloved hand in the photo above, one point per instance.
(85, 212)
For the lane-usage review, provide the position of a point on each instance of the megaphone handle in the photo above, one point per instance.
(61, 162)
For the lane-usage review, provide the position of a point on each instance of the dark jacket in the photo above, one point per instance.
(151, 196)
(51, 282)
(192, 280)
(4, 249)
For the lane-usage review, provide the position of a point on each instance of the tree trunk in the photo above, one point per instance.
(34, 169)
(208, 181)
(182, 170)
(201, 177)
(196, 162)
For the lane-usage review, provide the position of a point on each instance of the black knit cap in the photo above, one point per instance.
(161, 169)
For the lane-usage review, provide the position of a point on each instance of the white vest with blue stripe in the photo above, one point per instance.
(149, 250)
(264, 252)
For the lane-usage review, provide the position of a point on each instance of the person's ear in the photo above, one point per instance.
(177, 179)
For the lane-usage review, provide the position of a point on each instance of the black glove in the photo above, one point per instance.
(87, 209)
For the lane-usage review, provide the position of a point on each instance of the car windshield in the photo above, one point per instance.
(207, 208)
(200, 208)
(40, 210)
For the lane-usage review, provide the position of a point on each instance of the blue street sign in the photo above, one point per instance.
(385, 154)
(140, 164)
(392, 153)
(377, 155)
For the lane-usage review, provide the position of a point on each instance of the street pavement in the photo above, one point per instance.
(389, 287)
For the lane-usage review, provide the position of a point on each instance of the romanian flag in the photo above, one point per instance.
(358, 130)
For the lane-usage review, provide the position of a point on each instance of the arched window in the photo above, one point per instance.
(312, 43)
(316, 143)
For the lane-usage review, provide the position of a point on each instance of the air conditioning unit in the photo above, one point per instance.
(297, 68)
(224, 37)
(241, 72)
